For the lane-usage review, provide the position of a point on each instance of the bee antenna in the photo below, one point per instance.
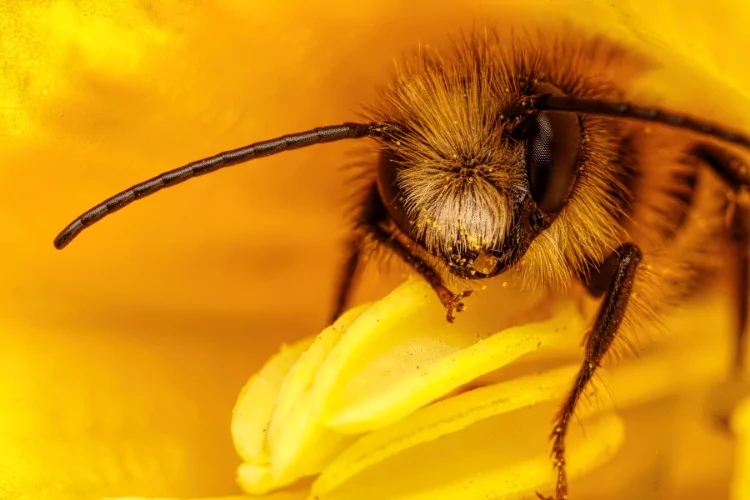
(270, 147)
(628, 110)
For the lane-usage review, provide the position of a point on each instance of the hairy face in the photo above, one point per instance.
(455, 197)
(465, 172)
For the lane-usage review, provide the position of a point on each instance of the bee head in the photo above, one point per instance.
(479, 153)
(477, 195)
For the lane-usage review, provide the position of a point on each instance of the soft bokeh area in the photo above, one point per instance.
(122, 357)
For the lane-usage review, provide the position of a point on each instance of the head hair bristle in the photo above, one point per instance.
(460, 170)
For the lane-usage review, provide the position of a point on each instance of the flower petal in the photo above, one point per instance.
(299, 444)
(415, 441)
(281, 437)
(444, 417)
(393, 337)
(257, 400)
(476, 426)
(401, 354)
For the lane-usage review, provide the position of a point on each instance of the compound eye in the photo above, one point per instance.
(390, 193)
(553, 145)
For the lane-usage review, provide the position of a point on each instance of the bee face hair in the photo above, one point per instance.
(472, 178)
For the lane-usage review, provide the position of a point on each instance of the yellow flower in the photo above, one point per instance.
(391, 401)
(371, 374)
(122, 357)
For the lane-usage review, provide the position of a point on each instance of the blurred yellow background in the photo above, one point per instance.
(123, 355)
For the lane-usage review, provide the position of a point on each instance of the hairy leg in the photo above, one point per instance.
(614, 279)
(347, 277)
(372, 222)
(368, 211)
(406, 249)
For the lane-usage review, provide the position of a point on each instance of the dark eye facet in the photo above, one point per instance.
(553, 145)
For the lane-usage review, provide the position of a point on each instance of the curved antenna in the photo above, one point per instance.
(627, 110)
(270, 147)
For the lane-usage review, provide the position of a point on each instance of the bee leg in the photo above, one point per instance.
(370, 222)
(614, 280)
(405, 249)
(347, 277)
(369, 212)
(375, 223)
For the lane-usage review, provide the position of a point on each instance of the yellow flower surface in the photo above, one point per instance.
(391, 403)
(122, 357)
(375, 406)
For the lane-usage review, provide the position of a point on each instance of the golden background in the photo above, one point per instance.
(123, 355)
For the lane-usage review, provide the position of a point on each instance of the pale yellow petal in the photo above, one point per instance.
(302, 373)
(479, 477)
(299, 444)
(480, 444)
(442, 418)
(392, 337)
(401, 355)
(631, 382)
(257, 400)
(256, 479)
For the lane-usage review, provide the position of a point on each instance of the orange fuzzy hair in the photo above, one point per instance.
(459, 171)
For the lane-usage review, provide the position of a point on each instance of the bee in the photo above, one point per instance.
(526, 156)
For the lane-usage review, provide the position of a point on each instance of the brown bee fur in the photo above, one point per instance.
(459, 173)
